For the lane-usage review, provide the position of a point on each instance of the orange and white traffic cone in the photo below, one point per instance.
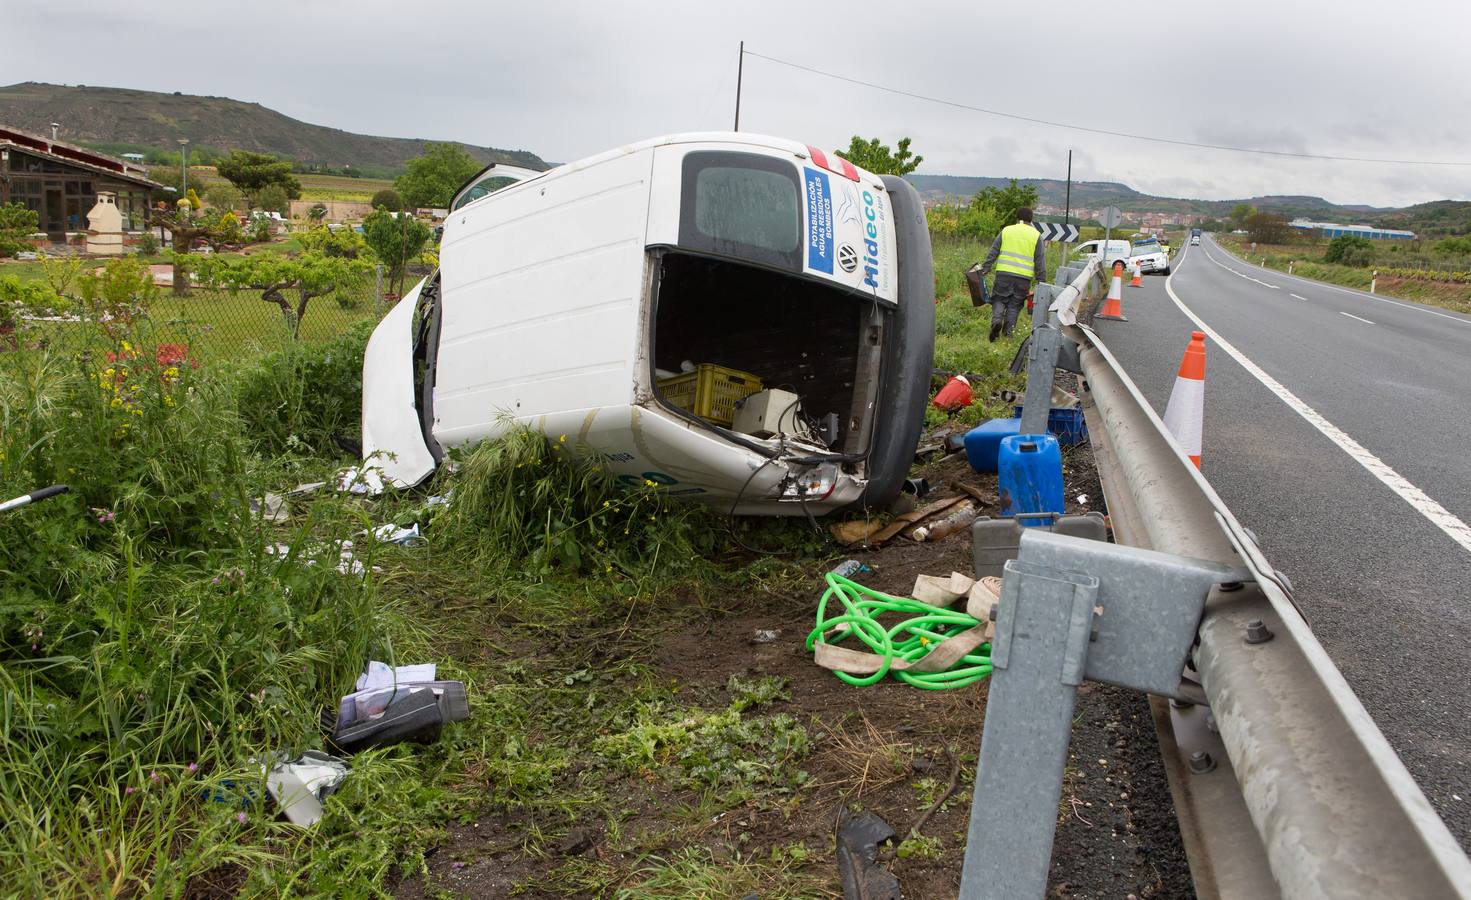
(1185, 413)
(1137, 280)
(1113, 304)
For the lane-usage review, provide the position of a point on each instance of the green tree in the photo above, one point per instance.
(1005, 201)
(388, 199)
(1240, 213)
(253, 172)
(193, 197)
(879, 159)
(1350, 250)
(432, 179)
(186, 225)
(1268, 228)
(346, 243)
(308, 275)
(17, 223)
(273, 198)
(395, 239)
(223, 196)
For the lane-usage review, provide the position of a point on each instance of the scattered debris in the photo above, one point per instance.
(301, 490)
(873, 533)
(393, 534)
(271, 507)
(393, 704)
(1082, 499)
(859, 838)
(850, 568)
(367, 480)
(939, 529)
(300, 785)
(919, 487)
(766, 636)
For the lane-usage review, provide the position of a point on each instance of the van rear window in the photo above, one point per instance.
(742, 205)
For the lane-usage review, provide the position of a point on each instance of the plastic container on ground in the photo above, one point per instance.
(983, 442)
(1029, 476)
(710, 391)
(1067, 424)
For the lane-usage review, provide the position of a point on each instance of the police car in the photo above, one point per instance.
(1149, 256)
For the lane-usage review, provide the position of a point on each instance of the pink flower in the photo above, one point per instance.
(194, 767)
(103, 515)
(153, 777)
(241, 817)
(130, 790)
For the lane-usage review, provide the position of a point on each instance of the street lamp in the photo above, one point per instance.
(183, 166)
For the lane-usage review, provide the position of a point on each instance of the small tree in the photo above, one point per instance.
(346, 243)
(1268, 228)
(432, 179)
(186, 225)
(308, 275)
(17, 223)
(223, 195)
(388, 199)
(878, 159)
(1006, 200)
(117, 294)
(395, 239)
(318, 212)
(1240, 213)
(273, 198)
(254, 172)
(1350, 250)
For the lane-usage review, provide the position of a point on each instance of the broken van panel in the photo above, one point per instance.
(793, 288)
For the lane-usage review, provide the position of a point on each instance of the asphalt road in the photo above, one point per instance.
(1381, 564)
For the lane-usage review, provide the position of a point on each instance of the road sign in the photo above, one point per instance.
(1110, 217)
(1053, 231)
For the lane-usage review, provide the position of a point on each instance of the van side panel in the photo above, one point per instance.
(542, 285)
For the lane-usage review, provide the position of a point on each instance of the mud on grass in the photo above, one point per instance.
(663, 751)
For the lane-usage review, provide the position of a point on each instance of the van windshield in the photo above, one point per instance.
(742, 205)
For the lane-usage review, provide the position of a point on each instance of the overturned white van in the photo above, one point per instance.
(575, 300)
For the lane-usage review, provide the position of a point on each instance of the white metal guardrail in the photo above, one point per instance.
(1283, 783)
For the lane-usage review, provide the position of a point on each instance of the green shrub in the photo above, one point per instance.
(388, 199)
(148, 243)
(17, 223)
(304, 397)
(1350, 250)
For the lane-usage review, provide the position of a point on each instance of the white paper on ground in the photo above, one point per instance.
(381, 674)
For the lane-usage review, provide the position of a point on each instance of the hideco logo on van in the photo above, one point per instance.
(872, 216)
(819, 221)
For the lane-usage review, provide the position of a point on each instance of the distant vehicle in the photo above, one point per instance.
(1195, 240)
(1149, 256)
(1117, 251)
(1195, 232)
(606, 301)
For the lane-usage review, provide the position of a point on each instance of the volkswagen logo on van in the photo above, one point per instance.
(847, 257)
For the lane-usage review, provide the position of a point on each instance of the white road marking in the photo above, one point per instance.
(1422, 503)
(1296, 297)
(1352, 316)
(1352, 293)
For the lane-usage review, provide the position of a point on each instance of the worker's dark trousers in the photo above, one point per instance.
(1007, 298)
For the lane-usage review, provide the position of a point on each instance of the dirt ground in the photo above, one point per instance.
(887, 749)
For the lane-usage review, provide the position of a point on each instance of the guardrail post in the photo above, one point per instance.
(1070, 609)
(1042, 358)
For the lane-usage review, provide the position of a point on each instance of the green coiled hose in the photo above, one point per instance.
(910, 640)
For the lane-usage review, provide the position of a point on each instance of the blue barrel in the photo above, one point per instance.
(1029, 477)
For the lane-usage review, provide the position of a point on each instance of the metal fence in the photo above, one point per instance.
(214, 324)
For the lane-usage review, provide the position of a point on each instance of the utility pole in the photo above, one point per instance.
(1067, 204)
(740, 65)
(183, 167)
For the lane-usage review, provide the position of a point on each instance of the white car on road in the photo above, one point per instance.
(1149, 256)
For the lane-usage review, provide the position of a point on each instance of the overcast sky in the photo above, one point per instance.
(565, 80)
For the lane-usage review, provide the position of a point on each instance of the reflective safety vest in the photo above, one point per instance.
(1018, 250)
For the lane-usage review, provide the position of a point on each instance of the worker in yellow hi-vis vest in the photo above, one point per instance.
(1019, 255)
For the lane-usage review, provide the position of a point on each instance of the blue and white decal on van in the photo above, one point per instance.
(819, 221)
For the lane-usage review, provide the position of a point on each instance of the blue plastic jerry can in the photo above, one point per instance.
(983, 442)
(1029, 478)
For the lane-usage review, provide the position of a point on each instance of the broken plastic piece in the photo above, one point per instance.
(299, 786)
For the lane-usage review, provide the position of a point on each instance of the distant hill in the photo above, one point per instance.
(146, 119)
(1094, 194)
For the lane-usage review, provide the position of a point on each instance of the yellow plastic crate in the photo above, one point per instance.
(710, 391)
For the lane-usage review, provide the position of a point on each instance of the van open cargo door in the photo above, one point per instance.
(393, 432)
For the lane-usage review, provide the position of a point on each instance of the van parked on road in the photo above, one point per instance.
(1116, 251)
(741, 320)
